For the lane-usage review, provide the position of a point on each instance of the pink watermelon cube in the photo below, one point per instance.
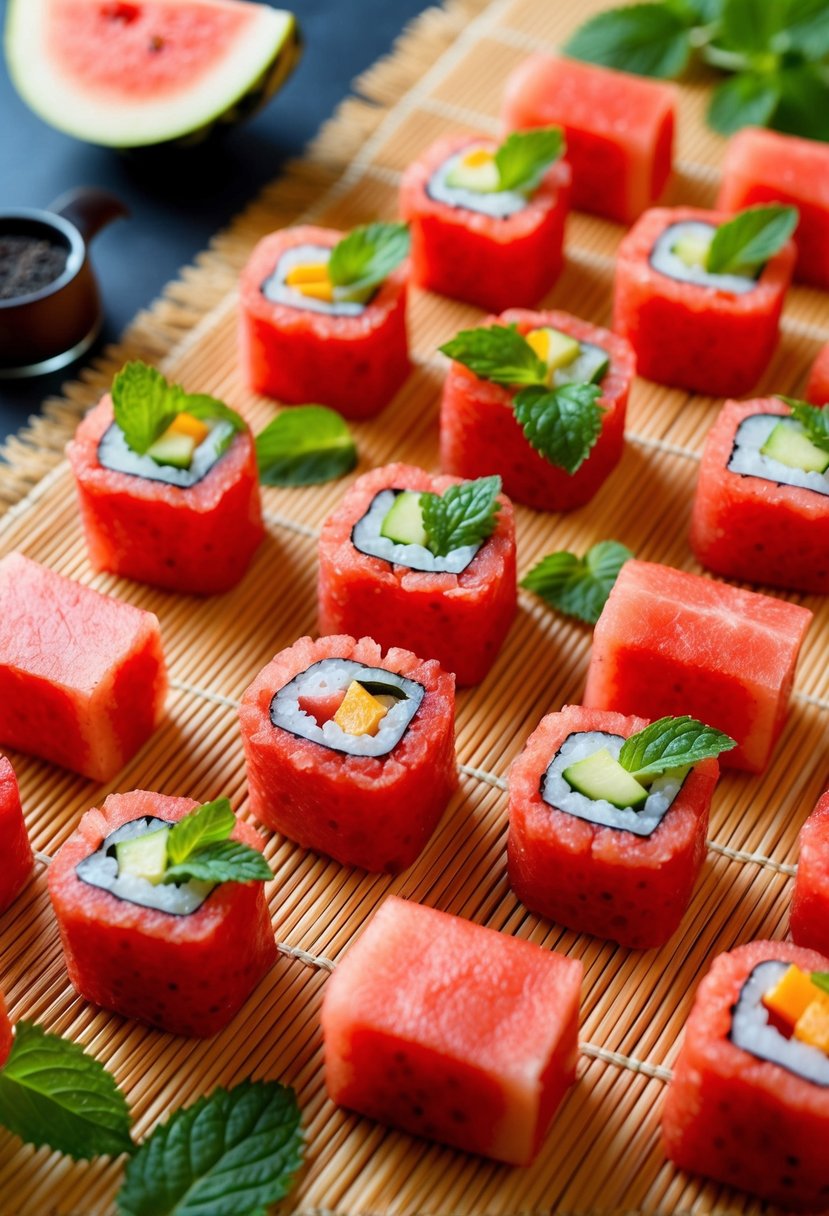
(452, 1031)
(82, 675)
(15, 850)
(817, 389)
(669, 642)
(809, 924)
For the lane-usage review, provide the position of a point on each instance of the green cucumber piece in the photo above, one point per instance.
(175, 450)
(591, 366)
(144, 856)
(481, 179)
(600, 776)
(403, 523)
(692, 250)
(791, 446)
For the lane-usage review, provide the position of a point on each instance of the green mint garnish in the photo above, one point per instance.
(234, 1153)
(821, 980)
(525, 156)
(52, 1093)
(562, 424)
(813, 418)
(464, 514)
(499, 353)
(671, 743)
(145, 403)
(368, 255)
(648, 39)
(745, 243)
(199, 846)
(303, 446)
(578, 586)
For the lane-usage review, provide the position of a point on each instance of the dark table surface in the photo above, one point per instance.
(177, 207)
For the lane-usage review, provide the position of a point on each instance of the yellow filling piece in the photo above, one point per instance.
(477, 158)
(311, 279)
(186, 424)
(553, 348)
(793, 995)
(360, 713)
(812, 1026)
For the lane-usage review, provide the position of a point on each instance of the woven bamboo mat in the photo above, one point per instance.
(603, 1152)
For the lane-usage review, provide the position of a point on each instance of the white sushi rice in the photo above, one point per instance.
(747, 460)
(669, 263)
(558, 793)
(752, 1031)
(114, 453)
(277, 291)
(499, 204)
(100, 869)
(335, 675)
(365, 536)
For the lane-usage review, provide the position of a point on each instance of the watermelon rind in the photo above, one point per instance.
(245, 76)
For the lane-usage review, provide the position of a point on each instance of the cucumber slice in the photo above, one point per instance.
(144, 856)
(403, 523)
(692, 250)
(176, 450)
(600, 776)
(482, 179)
(591, 366)
(790, 445)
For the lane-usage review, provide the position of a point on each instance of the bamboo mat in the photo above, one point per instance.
(602, 1154)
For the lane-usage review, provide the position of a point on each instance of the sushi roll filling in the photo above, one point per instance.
(557, 791)
(760, 442)
(347, 707)
(300, 280)
(568, 361)
(756, 1030)
(102, 869)
(468, 181)
(368, 537)
(114, 453)
(681, 251)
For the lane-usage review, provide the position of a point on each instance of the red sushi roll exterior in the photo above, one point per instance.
(373, 812)
(186, 974)
(809, 923)
(481, 259)
(355, 364)
(750, 528)
(479, 433)
(690, 336)
(15, 849)
(198, 539)
(598, 879)
(817, 388)
(738, 1118)
(459, 619)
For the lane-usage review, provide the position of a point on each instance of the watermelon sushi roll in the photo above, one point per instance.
(761, 510)
(668, 642)
(767, 167)
(452, 1031)
(173, 502)
(597, 846)
(817, 389)
(748, 1104)
(698, 316)
(322, 317)
(82, 675)
(15, 849)
(487, 222)
(809, 923)
(380, 570)
(619, 129)
(491, 424)
(156, 931)
(351, 751)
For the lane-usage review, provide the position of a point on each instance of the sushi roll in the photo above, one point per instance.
(480, 430)
(817, 389)
(351, 751)
(767, 167)
(303, 337)
(179, 952)
(452, 1031)
(82, 675)
(709, 332)
(184, 513)
(748, 1104)
(483, 237)
(595, 848)
(668, 642)
(809, 923)
(619, 129)
(761, 509)
(378, 571)
(15, 849)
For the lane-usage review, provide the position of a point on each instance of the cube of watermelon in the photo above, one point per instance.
(809, 922)
(15, 849)
(817, 388)
(82, 675)
(452, 1031)
(669, 642)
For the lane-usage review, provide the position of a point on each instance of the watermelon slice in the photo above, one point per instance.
(132, 73)
(817, 389)
(809, 923)
(14, 841)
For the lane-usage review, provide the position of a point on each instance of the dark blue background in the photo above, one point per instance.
(177, 206)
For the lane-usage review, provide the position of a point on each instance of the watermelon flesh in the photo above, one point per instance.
(452, 1031)
(15, 849)
(669, 642)
(82, 675)
(744, 1121)
(817, 389)
(809, 923)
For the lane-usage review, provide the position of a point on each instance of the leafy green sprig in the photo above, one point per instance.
(465, 514)
(305, 445)
(525, 156)
(368, 255)
(813, 418)
(578, 586)
(145, 403)
(199, 846)
(744, 244)
(671, 743)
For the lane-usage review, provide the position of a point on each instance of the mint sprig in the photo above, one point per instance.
(234, 1153)
(671, 743)
(745, 243)
(368, 255)
(578, 586)
(465, 514)
(648, 39)
(821, 979)
(206, 824)
(199, 846)
(813, 418)
(144, 403)
(52, 1093)
(498, 353)
(562, 424)
(525, 156)
(305, 445)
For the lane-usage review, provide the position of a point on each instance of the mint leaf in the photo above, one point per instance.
(233, 1153)
(53, 1093)
(747, 100)
(578, 586)
(561, 423)
(525, 156)
(463, 515)
(807, 27)
(803, 108)
(671, 743)
(303, 446)
(813, 418)
(222, 861)
(145, 403)
(365, 257)
(745, 243)
(498, 353)
(207, 824)
(821, 980)
(648, 39)
(750, 25)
